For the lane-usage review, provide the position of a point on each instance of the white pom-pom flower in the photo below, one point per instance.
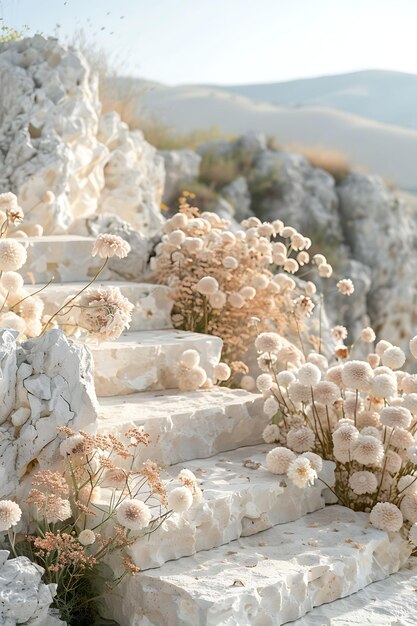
(301, 473)
(309, 374)
(278, 460)
(301, 439)
(180, 499)
(363, 482)
(271, 433)
(133, 514)
(10, 514)
(393, 357)
(386, 516)
(357, 375)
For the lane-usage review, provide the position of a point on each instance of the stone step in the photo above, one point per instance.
(240, 498)
(145, 360)
(388, 602)
(65, 258)
(266, 579)
(153, 303)
(190, 425)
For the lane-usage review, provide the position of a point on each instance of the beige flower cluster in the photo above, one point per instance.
(361, 414)
(103, 313)
(74, 528)
(191, 376)
(221, 280)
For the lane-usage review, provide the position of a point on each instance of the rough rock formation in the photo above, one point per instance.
(53, 139)
(181, 166)
(24, 599)
(47, 383)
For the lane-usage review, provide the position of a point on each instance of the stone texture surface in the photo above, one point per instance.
(24, 598)
(267, 579)
(188, 425)
(50, 384)
(152, 303)
(238, 502)
(388, 602)
(181, 167)
(237, 194)
(141, 361)
(53, 138)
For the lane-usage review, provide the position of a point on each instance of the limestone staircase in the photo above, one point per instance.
(257, 551)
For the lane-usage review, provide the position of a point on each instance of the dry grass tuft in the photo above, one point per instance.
(335, 163)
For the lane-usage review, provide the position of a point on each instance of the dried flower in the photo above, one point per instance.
(222, 371)
(208, 286)
(271, 433)
(309, 375)
(357, 375)
(363, 482)
(104, 312)
(12, 255)
(316, 461)
(345, 286)
(86, 537)
(278, 460)
(190, 358)
(301, 439)
(368, 450)
(384, 386)
(180, 499)
(368, 335)
(301, 473)
(339, 333)
(107, 246)
(133, 514)
(386, 516)
(393, 357)
(395, 416)
(268, 342)
(10, 513)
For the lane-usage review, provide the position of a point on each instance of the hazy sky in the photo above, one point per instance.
(234, 41)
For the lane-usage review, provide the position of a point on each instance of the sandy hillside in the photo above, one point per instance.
(385, 149)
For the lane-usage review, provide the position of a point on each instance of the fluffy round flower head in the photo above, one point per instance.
(299, 393)
(309, 375)
(371, 430)
(190, 358)
(381, 346)
(412, 535)
(373, 359)
(384, 386)
(271, 433)
(342, 455)
(310, 288)
(107, 246)
(345, 436)
(393, 357)
(301, 473)
(284, 281)
(386, 516)
(367, 335)
(301, 439)
(357, 375)
(247, 383)
(291, 266)
(268, 342)
(368, 450)
(319, 259)
(367, 418)
(222, 372)
(395, 417)
(104, 312)
(409, 383)
(248, 292)
(207, 286)
(264, 382)
(303, 258)
(176, 238)
(363, 482)
(217, 300)
(278, 460)
(190, 379)
(133, 514)
(412, 454)
(326, 392)
(271, 406)
(193, 244)
(8, 201)
(393, 462)
(180, 499)
(236, 300)
(334, 375)
(407, 484)
(86, 537)
(12, 255)
(409, 507)
(339, 333)
(352, 404)
(298, 242)
(10, 514)
(316, 461)
(288, 232)
(345, 286)
(325, 270)
(57, 509)
(413, 346)
(11, 281)
(178, 221)
(401, 438)
(319, 360)
(266, 361)
(285, 378)
(230, 262)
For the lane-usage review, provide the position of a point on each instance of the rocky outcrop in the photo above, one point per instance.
(24, 598)
(62, 159)
(181, 167)
(47, 383)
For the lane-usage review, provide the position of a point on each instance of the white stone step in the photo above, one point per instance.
(266, 579)
(389, 602)
(145, 360)
(66, 258)
(153, 303)
(187, 425)
(238, 501)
